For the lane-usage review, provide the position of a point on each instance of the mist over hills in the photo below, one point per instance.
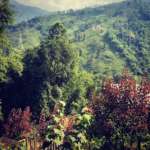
(61, 5)
(24, 13)
(26, 10)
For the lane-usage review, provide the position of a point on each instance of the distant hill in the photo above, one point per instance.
(24, 13)
(108, 38)
(62, 5)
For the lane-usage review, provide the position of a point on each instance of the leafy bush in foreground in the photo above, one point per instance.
(18, 124)
(69, 131)
(122, 112)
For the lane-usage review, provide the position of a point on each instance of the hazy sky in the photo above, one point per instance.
(54, 5)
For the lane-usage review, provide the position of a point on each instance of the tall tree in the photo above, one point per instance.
(52, 67)
(47, 70)
(10, 60)
(51, 73)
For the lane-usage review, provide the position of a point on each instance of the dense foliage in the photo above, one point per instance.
(51, 72)
(68, 131)
(11, 64)
(122, 112)
(18, 124)
(117, 117)
(51, 86)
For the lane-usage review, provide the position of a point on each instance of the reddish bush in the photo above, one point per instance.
(123, 107)
(18, 124)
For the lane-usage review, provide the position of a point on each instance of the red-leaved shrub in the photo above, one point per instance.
(18, 124)
(123, 108)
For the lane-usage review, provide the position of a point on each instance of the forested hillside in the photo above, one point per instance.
(108, 38)
(76, 80)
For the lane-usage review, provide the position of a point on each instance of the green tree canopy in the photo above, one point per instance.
(10, 61)
(50, 66)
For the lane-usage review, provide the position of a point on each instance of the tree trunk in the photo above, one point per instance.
(139, 143)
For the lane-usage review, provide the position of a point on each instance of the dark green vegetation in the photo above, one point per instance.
(51, 72)
(10, 62)
(41, 76)
(108, 38)
(53, 69)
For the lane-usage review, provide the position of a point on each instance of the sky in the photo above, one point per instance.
(59, 5)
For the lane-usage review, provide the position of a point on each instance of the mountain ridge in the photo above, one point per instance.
(25, 13)
(63, 5)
